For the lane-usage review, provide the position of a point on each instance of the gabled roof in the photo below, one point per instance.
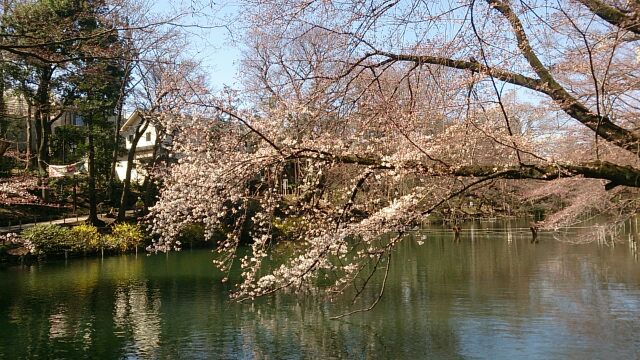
(132, 120)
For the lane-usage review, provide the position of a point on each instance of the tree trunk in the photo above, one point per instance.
(114, 158)
(46, 136)
(3, 108)
(29, 147)
(4, 125)
(43, 128)
(93, 207)
(39, 135)
(116, 135)
(41, 152)
(147, 186)
(130, 158)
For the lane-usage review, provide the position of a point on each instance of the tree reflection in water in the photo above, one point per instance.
(136, 317)
(491, 293)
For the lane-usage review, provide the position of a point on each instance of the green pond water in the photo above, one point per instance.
(493, 295)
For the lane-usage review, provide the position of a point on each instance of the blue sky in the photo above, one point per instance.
(214, 41)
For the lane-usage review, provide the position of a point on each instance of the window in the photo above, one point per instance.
(148, 136)
(131, 138)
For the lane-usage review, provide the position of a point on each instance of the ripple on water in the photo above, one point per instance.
(486, 299)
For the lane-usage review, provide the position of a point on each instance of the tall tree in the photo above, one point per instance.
(43, 23)
(95, 84)
(66, 60)
(394, 108)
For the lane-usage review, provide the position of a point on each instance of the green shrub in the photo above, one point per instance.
(49, 239)
(192, 232)
(124, 237)
(195, 234)
(289, 228)
(85, 238)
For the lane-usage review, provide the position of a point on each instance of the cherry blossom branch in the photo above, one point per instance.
(493, 83)
(617, 174)
(501, 74)
(376, 301)
(545, 84)
(246, 123)
(602, 125)
(615, 16)
(354, 192)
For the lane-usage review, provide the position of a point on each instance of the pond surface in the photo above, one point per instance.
(493, 295)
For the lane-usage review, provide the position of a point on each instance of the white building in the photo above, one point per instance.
(144, 149)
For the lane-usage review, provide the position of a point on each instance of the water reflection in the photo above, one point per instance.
(136, 318)
(491, 295)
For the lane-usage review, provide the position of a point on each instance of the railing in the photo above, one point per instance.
(18, 226)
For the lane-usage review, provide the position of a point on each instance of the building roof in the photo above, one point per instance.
(132, 120)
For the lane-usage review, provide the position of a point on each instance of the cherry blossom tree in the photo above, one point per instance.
(166, 86)
(362, 118)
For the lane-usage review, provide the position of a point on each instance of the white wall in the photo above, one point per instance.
(121, 171)
(148, 138)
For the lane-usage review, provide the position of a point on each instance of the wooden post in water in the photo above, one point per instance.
(534, 232)
(456, 233)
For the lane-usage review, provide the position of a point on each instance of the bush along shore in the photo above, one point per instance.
(47, 241)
